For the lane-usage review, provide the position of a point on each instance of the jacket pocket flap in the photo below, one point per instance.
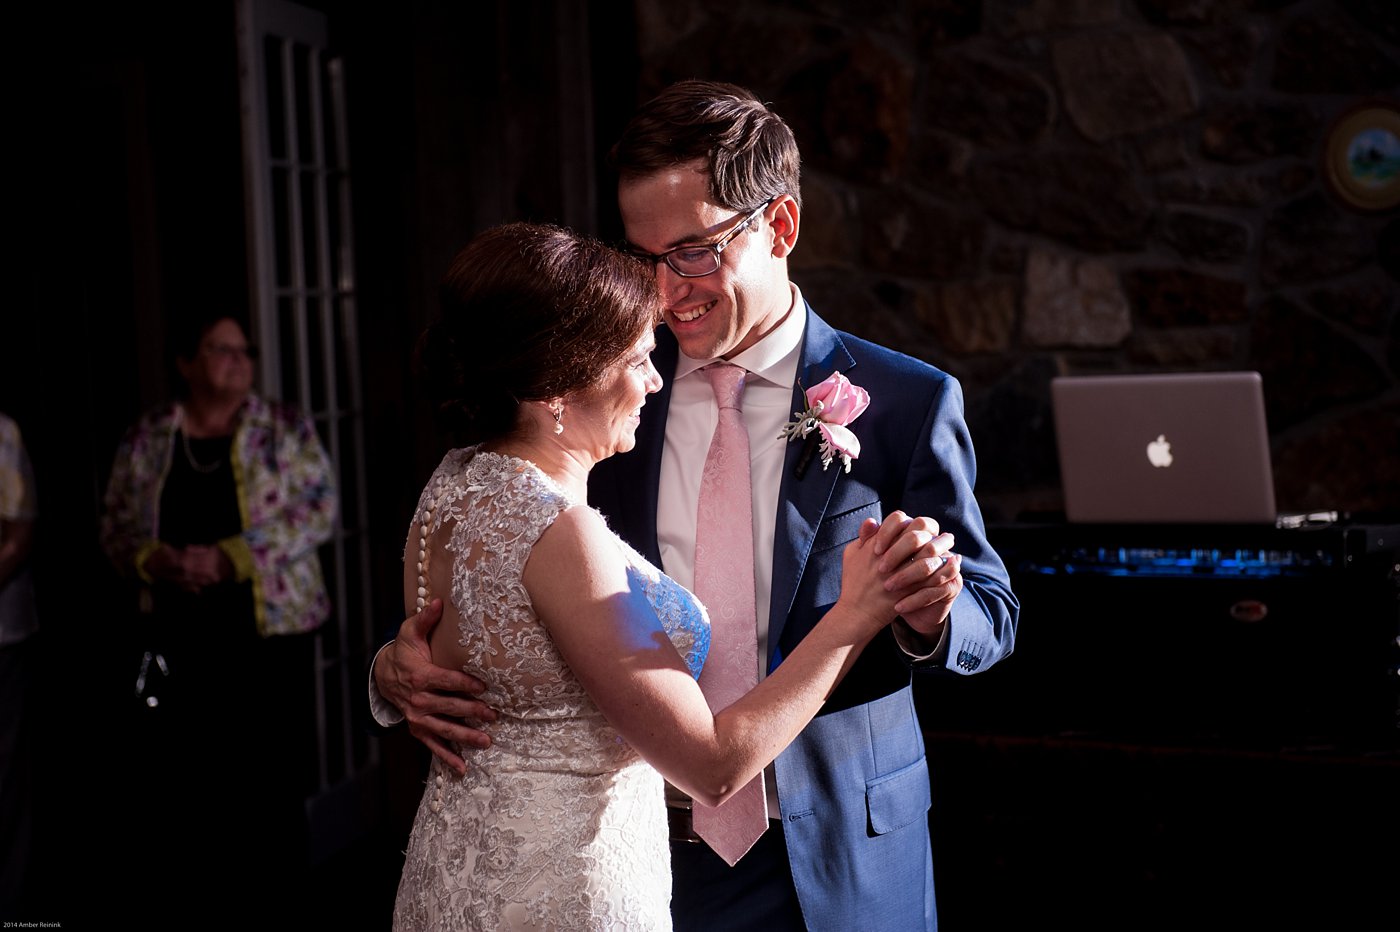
(840, 529)
(899, 798)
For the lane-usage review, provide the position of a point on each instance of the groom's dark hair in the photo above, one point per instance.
(747, 149)
(530, 312)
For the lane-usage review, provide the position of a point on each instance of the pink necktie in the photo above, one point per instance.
(724, 584)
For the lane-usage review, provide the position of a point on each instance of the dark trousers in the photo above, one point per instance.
(219, 772)
(755, 894)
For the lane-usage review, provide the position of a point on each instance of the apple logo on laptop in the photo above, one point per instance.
(1159, 452)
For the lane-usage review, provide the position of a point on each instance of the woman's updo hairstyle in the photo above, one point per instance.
(529, 312)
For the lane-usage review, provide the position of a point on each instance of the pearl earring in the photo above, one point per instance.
(558, 418)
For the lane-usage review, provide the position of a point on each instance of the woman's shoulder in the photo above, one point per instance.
(479, 470)
(281, 417)
(154, 422)
(575, 554)
(585, 528)
(512, 490)
(584, 548)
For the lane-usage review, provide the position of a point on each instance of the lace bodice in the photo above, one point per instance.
(558, 823)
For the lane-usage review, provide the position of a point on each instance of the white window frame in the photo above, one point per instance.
(324, 379)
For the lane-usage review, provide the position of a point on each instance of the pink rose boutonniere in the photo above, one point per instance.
(831, 406)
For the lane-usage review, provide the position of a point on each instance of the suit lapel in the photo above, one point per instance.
(802, 503)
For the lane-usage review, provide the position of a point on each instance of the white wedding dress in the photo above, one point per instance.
(559, 824)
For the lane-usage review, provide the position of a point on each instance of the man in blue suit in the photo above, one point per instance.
(709, 192)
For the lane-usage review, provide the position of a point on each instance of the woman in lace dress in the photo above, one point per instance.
(542, 356)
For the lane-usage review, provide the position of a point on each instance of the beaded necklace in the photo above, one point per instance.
(195, 464)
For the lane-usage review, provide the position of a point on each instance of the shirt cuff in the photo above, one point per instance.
(236, 548)
(915, 646)
(139, 562)
(385, 712)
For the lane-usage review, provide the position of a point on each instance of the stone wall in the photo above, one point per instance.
(1015, 189)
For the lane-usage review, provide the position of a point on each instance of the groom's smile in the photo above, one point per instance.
(720, 313)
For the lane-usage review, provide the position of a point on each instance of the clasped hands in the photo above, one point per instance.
(922, 568)
(441, 705)
(190, 568)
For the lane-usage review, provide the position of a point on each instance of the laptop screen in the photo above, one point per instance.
(1164, 448)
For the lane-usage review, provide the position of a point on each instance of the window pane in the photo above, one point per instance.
(330, 634)
(276, 112)
(301, 74)
(281, 221)
(350, 517)
(310, 227)
(287, 351)
(345, 365)
(338, 239)
(315, 358)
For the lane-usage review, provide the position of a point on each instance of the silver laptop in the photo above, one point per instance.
(1180, 447)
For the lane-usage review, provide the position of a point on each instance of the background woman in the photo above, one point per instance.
(19, 621)
(215, 508)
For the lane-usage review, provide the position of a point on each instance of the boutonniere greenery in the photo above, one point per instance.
(831, 406)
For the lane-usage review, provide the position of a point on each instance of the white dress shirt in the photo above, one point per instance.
(767, 406)
(690, 423)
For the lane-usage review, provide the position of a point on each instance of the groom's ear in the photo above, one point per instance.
(784, 222)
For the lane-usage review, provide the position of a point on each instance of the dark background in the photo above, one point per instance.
(1010, 190)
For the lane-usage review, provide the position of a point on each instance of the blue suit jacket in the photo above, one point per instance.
(853, 789)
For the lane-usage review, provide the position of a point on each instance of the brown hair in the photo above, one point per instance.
(529, 312)
(748, 150)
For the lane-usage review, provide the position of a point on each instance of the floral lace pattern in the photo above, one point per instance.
(559, 824)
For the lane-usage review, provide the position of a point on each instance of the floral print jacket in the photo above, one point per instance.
(286, 495)
(18, 618)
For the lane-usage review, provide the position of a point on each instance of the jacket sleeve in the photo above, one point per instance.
(292, 512)
(939, 484)
(125, 531)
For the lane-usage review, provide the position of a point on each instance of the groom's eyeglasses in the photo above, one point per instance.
(697, 259)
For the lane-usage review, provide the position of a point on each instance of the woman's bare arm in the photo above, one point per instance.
(607, 632)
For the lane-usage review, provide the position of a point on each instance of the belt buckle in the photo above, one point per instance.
(682, 825)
